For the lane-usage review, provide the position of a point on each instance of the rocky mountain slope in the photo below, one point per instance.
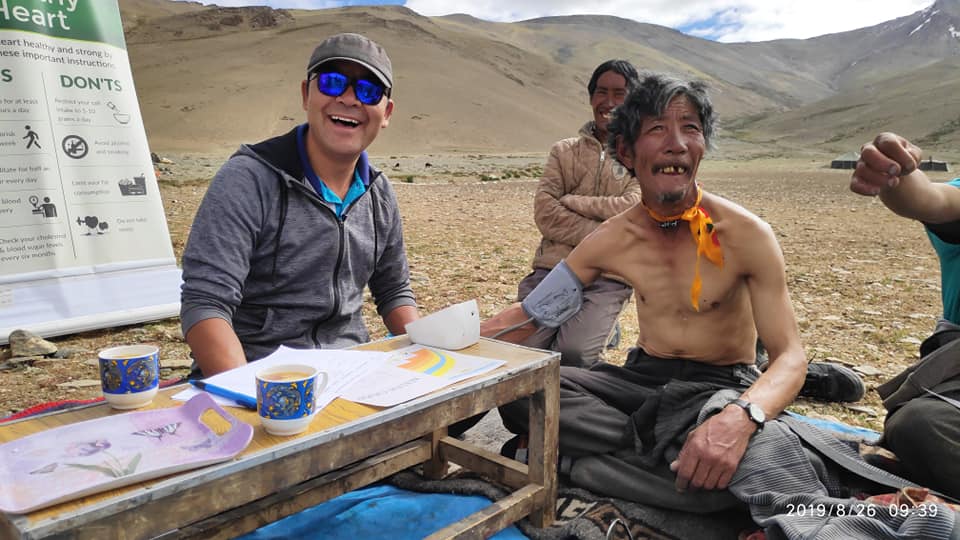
(210, 77)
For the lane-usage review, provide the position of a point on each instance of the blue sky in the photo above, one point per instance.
(720, 20)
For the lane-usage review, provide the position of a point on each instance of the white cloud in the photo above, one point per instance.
(740, 20)
(723, 20)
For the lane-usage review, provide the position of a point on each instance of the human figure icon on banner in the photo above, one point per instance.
(31, 137)
(74, 146)
(93, 224)
(47, 209)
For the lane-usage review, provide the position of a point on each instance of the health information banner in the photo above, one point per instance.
(83, 239)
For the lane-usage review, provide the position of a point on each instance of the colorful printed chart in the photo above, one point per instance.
(449, 365)
(429, 361)
(414, 371)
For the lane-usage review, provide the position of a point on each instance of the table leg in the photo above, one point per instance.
(436, 467)
(543, 442)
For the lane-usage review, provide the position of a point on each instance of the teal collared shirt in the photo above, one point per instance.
(949, 255)
(357, 188)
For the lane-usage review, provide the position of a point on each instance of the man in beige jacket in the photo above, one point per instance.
(583, 185)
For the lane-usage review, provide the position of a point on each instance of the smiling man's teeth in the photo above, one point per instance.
(673, 169)
(342, 120)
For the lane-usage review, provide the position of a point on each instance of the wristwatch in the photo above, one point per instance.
(754, 412)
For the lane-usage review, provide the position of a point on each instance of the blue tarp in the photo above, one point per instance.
(379, 511)
(840, 429)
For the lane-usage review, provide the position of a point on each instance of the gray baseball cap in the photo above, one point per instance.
(355, 48)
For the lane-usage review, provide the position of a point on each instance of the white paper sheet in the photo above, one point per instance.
(343, 369)
(414, 371)
(389, 386)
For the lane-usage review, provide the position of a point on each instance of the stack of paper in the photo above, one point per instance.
(380, 379)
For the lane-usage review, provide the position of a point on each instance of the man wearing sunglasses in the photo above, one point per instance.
(293, 228)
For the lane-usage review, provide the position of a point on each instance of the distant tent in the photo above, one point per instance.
(931, 164)
(845, 161)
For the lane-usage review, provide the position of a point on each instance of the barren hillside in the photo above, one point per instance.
(466, 85)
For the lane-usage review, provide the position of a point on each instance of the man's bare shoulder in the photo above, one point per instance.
(732, 218)
(748, 242)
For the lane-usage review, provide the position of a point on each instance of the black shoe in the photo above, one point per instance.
(516, 449)
(828, 381)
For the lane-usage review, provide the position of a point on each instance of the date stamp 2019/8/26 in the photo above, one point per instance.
(862, 509)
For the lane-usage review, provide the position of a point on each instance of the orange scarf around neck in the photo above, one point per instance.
(704, 235)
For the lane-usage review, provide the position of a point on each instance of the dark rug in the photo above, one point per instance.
(588, 516)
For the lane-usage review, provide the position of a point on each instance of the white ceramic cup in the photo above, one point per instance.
(287, 397)
(129, 375)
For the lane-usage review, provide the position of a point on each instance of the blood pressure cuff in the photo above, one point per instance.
(557, 298)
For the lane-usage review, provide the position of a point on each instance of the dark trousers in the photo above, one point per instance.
(923, 430)
(925, 434)
(624, 424)
(608, 408)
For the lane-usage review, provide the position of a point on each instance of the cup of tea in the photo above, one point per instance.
(129, 375)
(286, 397)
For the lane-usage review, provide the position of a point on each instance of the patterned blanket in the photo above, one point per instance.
(582, 515)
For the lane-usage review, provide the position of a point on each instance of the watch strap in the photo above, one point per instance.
(747, 407)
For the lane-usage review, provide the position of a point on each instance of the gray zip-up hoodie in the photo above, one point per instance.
(271, 257)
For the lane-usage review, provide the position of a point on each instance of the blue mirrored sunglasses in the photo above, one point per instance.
(335, 84)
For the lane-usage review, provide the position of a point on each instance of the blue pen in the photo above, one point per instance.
(241, 399)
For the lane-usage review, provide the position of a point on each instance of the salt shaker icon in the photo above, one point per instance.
(120, 117)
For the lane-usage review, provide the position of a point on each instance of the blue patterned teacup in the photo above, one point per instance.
(287, 396)
(129, 375)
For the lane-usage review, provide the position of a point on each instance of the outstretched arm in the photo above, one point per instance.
(888, 167)
(514, 325)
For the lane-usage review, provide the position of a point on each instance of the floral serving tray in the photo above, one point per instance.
(71, 461)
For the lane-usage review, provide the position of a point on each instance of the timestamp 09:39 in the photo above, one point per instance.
(862, 509)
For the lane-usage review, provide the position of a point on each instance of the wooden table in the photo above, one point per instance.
(347, 446)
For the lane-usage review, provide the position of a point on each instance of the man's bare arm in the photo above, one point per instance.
(215, 346)
(586, 261)
(396, 321)
(888, 167)
(512, 316)
(777, 328)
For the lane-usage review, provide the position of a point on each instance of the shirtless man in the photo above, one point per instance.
(708, 277)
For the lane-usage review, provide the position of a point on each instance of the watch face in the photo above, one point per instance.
(756, 413)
